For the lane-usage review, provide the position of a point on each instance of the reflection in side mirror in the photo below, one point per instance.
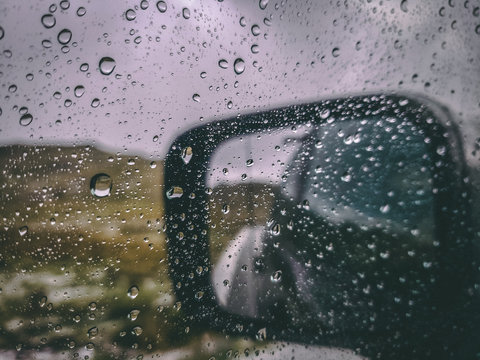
(340, 223)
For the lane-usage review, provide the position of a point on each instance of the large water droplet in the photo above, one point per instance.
(187, 154)
(81, 11)
(196, 97)
(243, 22)
(64, 36)
(255, 30)
(106, 65)
(263, 4)
(336, 52)
(144, 5)
(162, 6)
(101, 185)
(174, 192)
(133, 292)
(130, 14)
(404, 5)
(239, 66)
(79, 91)
(223, 63)
(26, 119)
(137, 330)
(186, 13)
(48, 20)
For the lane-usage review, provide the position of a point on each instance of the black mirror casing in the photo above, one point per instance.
(442, 330)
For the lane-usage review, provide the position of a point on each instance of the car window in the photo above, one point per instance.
(94, 93)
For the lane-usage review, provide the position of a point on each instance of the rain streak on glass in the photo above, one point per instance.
(101, 185)
(64, 36)
(162, 6)
(48, 20)
(106, 65)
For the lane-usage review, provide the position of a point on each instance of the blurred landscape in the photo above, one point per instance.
(83, 276)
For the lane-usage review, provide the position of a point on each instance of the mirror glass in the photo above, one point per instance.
(311, 223)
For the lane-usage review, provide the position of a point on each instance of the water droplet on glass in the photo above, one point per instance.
(385, 209)
(79, 91)
(64, 36)
(130, 14)
(255, 49)
(92, 332)
(95, 103)
(144, 5)
(263, 4)
(243, 22)
(336, 52)
(223, 63)
(26, 119)
(162, 6)
(186, 13)
(404, 5)
(2, 33)
(137, 330)
(324, 114)
(196, 97)
(92, 306)
(46, 44)
(106, 65)
(255, 30)
(90, 346)
(48, 20)
(187, 154)
(249, 162)
(101, 185)
(84, 67)
(239, 66)
(81, 11)
(174, 192)
(64, 4)
(133, 292)
(23, 230)
(203, 74)
(346, 177)
(12, 88)
(226, 209)
(275, 229)
(132, 315)
(276, 276)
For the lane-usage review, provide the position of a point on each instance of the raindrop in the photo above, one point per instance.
(404, 5)
(95, 103)
(12, 88)
(133, 292)
(46, 44)
(84, 67)
(174, 192)
(226, 209)
(187, 154)
(263, 4)
(255, 30)
(29, 77)
(81, 11)
(186, 13)
(79, 91)
(43, 301)
(106, 65)
(133, 315)
(276, 277)
(2, 33)
(477, 30)
(239, 66)
(64, 36)
(144, 5)
(90, 346)
(196, 97)
(336, 52)
(325, 114)
(137, 330)
(153, 165)
(162, 6)
(92, 306)
(203, 74)
(223, 63)
(243, 22)
(23, 230)
(64, 4)
(255, 49)
(346, 177)
(48, 20)
(249, 162)
(101, 185)
(92, 332)
(275, 229)
(130, 14)
(26, 119)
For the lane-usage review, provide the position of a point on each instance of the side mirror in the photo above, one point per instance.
(342, 223)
